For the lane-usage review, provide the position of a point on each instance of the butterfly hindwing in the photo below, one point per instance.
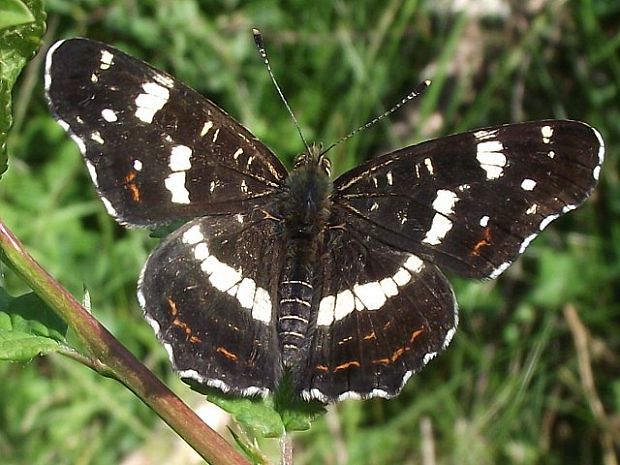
(381, 315)
(472, 202)
(212, 303)
(156, 150)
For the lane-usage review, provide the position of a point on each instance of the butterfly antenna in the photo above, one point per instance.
(420, 88)
(260, 44)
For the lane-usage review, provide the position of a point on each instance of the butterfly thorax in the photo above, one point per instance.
(305, 209)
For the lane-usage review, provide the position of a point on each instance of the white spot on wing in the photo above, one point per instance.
(180, 158)
(137, 165)
(96, 136)
(402, 277)
(92, 171)
(48, 63)
(151, 101)
(326, 311)
(389, 178)
(528, 184)
(79, 142)
(246, 293)
(492, 160)
(205, 128)
(445, 201)
(547, 132)
(527, 242)
(237, 153)
(532, 209)
(544, 223)
(499, 270)
(175, 183)
(484, 221)
(389, 287)
(106, 60)
(261, 307)
(345, 303)
(109, 115)
(601, 149)
(484, 134)
(164, 80)
(413, 263)
(439, 228)
(371, 295)
(109, 208)
(429, 166)
(201, 251)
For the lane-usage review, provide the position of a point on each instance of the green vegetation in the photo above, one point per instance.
(533, 374)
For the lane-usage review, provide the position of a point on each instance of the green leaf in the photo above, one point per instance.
(29, 314)
(255, 414)
(28, 328)
(18, 44)
(14, 13)
(269, 417)
(296, 413)
(18, 346)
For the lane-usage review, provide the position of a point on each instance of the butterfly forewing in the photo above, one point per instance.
(157, 150)
(472, 202)
(211, 301)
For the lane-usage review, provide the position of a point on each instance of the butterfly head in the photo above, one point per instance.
(315, 156)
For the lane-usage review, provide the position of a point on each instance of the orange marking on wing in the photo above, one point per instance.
(370, 336)
(173, 306)
(345, 340)
(195, 339)
(398, 353)
(381, 361)
(131, 185)
(344, 366)
(484, 242)
(415, 334)
(229, 355)
(322, 368)
(387, 325)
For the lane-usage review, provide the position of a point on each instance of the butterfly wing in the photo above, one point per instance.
(156, 150)
(381, 315)
(473, 202)
(206, 292)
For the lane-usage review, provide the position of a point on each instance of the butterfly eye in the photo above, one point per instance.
(326, 165)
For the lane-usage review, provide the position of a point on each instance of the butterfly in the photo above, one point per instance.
(337, 282)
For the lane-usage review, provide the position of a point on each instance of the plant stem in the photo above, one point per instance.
(115, 361)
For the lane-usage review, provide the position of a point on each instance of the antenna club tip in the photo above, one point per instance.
(428, 82)
(258, 38)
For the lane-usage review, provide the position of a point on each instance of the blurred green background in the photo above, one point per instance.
(516, 386)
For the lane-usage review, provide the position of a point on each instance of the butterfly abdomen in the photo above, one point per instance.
(305, 209)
